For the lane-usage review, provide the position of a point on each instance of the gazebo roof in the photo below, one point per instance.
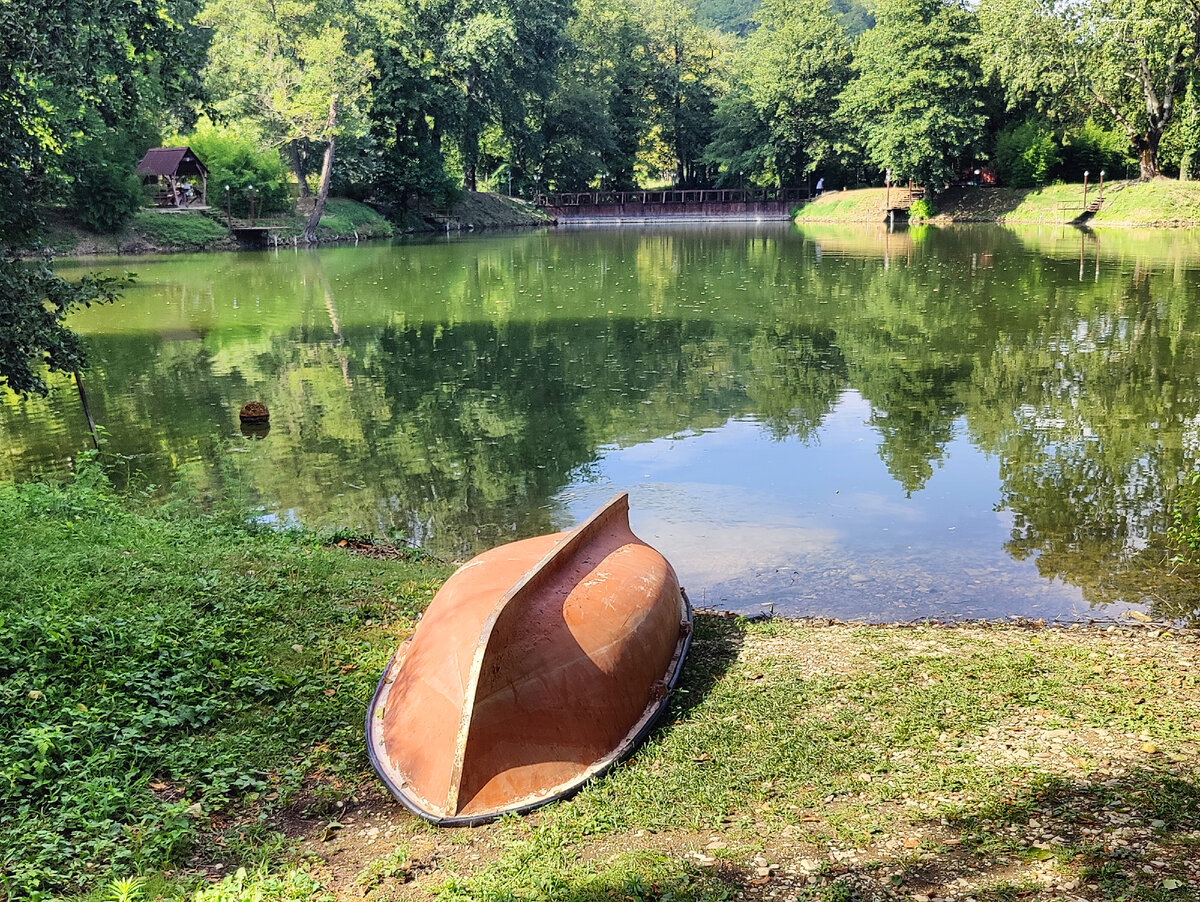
(171, 161)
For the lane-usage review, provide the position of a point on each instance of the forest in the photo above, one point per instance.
(404, 102)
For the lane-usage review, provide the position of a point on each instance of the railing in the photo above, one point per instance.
(904, 198)
(695, 197)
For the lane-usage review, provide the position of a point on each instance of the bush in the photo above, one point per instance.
(1025, 154)
(922, 208)
(1093, 148)
(106, 190)
(237, 160)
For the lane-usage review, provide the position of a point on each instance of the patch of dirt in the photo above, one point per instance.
(479, 210)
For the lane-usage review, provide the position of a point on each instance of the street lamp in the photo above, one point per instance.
(536, 179)
(1085, 178)
(1101, 195)
(976, 178)
(228, 210)
(250, 189)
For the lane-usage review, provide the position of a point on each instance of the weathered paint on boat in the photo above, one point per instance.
(537, 666)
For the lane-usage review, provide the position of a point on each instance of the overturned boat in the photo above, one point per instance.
(537, 666)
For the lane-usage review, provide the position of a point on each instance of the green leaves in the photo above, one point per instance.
(33, 304)
(917, 99)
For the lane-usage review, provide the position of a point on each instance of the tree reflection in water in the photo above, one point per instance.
(455, 391)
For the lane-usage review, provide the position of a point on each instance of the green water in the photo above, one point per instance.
(829, 420)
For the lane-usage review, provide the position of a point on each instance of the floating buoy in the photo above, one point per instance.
(255, 412)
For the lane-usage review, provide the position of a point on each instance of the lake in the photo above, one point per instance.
(833, 421)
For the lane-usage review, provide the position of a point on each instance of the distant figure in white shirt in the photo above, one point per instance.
(820, 186)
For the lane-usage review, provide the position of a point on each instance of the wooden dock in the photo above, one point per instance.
(744, 204)
(256, 236)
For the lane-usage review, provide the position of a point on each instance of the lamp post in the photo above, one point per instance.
(1085, 178)
(536, 179)
(228, 210)
(976, 178)
(250, 189)
(1101, 193)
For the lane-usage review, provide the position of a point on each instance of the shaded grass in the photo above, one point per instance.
(344, 218)
(180, 230)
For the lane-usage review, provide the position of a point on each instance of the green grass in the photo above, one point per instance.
(172, 679)
(343, 218)
(179, 230)
(158, 669)
(1163, 202)
(760, 746)
(863, 205)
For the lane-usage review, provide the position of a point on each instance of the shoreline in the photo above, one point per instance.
(153, 233)
(1163, 204)
(217, 675)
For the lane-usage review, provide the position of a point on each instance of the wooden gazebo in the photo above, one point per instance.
(173, 169)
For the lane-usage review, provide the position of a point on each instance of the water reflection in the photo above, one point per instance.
(853, 422)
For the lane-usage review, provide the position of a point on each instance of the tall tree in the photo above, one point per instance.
(594, 120)
(296, 68)
(685, 68)
(792, 70)
(1130, 59)
(64, 68)
(916, 101)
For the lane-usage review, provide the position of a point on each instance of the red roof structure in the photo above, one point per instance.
(177, 166)
(171, 161)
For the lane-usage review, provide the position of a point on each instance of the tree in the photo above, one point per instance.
(295, 69)
(916, 101)
(685, 65)
(67, 72)
(33, 304)
(1130, 59)
(595, 119)
(793, 69)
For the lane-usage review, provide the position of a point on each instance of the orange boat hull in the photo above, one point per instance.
(537, 666)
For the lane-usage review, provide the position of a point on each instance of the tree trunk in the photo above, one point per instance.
(470, 157)
(298, 168)
(314, 219)
(1148, 154)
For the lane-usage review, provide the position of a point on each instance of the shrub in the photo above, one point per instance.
(922, 208)
(106, 190)
(237, 160)
(1093, 148)
(1025, 154)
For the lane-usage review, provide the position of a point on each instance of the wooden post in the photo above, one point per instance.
(86, 410)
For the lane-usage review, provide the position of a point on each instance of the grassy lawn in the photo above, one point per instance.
(182, 695)
(1163, 202)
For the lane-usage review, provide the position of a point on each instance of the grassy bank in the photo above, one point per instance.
(181, 694)
(1161, 203)
(158, 231)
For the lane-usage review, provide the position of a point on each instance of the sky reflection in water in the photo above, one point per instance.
(755, 524)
